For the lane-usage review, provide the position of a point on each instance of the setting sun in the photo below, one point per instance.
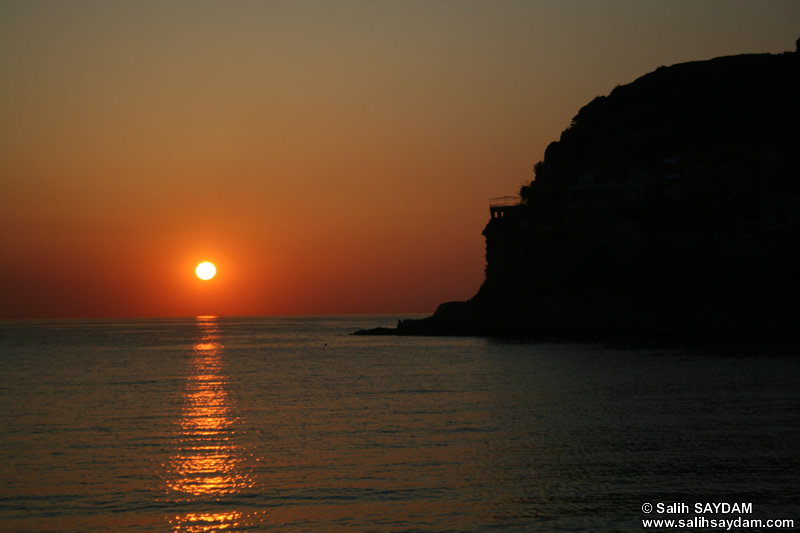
(206, 270)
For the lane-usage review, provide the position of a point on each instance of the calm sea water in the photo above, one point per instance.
(292, 424)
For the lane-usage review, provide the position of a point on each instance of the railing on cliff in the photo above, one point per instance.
(500, 207)
(504, 201)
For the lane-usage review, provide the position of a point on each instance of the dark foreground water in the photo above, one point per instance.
(291, 424)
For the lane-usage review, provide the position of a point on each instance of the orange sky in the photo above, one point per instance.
(328, 157)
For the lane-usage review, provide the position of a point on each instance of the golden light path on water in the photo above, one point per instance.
(207, 464)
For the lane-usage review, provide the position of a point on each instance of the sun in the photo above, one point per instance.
(206, 270)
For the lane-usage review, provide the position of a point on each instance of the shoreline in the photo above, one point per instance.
(461, 319)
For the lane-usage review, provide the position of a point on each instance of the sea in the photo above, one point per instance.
(293, 424)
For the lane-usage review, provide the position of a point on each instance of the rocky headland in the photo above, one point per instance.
(670, 205)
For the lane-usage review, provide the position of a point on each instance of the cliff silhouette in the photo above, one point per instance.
(669, 205)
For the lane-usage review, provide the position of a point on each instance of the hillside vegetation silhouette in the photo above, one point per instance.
(669, 205)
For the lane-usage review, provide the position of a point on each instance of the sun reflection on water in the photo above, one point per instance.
(208, 463)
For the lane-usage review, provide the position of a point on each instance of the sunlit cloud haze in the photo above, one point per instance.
(327, 157)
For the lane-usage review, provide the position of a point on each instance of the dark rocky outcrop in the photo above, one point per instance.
(670, 205)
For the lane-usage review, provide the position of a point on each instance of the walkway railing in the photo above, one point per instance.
(504, 201)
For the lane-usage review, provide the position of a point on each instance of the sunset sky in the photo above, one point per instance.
(327, 157)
